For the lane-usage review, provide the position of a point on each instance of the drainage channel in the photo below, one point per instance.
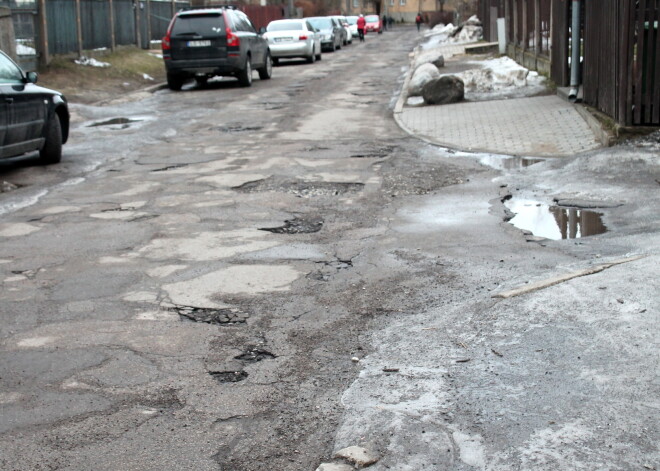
(554, 222)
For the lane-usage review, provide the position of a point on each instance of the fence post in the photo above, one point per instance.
(537, 28)
(515, 23)
(111, 19)
(44, 53)
(79, 37)
(524, 26)
(138, 38)
(148, 20)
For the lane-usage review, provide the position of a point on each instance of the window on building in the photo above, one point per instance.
(402, 2)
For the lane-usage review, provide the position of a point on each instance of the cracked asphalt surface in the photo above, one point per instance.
(148, 321)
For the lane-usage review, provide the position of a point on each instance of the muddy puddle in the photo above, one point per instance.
(554, 222)
(123, 122)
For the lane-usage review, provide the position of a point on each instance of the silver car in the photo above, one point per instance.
(293, 38)
(343, 22)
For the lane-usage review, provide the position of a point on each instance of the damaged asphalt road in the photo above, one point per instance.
(254, 279)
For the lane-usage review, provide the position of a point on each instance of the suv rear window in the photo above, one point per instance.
(207, 25)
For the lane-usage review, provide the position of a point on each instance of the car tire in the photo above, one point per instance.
(311, 58)
(266, 71)
(319, 56)
(174, 82)
(51, 152)
(245, 75)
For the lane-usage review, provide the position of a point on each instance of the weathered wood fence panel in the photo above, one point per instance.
(559, 51)
(95, 25)
(621, 60)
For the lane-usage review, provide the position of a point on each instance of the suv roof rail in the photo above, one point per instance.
(211, 7)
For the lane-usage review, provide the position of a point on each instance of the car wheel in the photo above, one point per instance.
(51, 152)
(319, 56)
(245, 75)
(266, 71)
(175, 82)
(311, 58)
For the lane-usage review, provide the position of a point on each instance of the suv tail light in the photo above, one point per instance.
(166, 44)
(232, 39)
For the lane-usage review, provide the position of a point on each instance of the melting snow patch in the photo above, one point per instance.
(91, 62)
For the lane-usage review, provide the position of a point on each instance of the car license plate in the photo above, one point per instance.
(281, 40)
(204, 43)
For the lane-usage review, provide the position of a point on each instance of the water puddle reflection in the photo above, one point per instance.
(554, 222)
(508, 163)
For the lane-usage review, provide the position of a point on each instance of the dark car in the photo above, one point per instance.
(331, 32)
(203, 43)
(32, 118)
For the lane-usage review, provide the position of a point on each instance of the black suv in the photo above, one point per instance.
(32, 118)
(203, 43)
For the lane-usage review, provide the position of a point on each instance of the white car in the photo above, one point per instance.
(293, 38)
(344, 24)
(352, 25)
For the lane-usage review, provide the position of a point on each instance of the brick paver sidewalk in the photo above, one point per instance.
(536, 126)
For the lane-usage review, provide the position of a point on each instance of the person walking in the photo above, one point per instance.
(361, 25)
(418, 20)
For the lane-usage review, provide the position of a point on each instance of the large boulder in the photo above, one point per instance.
(432, 56)
(423, 74)
(444, 90)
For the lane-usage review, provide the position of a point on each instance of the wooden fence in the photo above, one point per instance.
(622, 60)
(620, 47)
(72, 26)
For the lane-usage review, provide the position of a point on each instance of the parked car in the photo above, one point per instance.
(32, 118)
(203, 43)
(330, 31)
(348, 35)
(352, 23)
(373, 24)
(293, 38)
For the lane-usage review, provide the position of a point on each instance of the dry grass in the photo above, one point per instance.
(86, 84)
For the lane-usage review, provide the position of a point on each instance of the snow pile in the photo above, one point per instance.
(23, 50)
(495, 74)
(438, 35)
(500, 78)
(147, 77)
(91, 62)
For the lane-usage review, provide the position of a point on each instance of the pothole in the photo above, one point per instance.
(236, 129)
(212, 316)
(254, 354)
(329, 268)
(297, 226)
(6, 187)
(554, 222)
(300, 189)
(379, 152)
(169, 167)
(228, 376)
(115, 121)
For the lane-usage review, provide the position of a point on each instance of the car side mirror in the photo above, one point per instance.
(262, 30)
(31, 77)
